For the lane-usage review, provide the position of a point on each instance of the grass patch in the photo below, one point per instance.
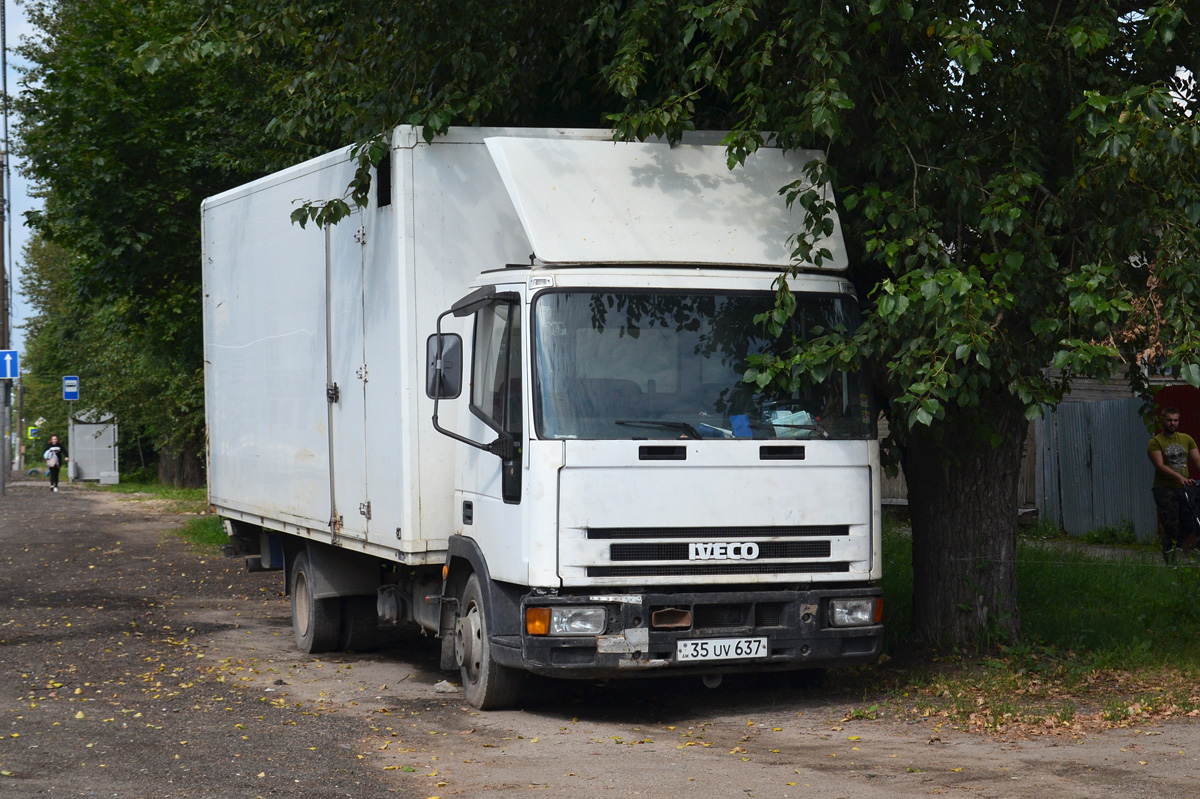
(205, 531)
(177, 500)
(1108, 639)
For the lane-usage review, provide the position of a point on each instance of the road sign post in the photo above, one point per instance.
(70, 394)
(10, 370)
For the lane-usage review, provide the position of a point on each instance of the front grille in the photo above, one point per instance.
(769, 614)
(706, 569)
(767, 549)
(718, 615)
(740, 533)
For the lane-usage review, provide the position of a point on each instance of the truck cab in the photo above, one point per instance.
(654, 510)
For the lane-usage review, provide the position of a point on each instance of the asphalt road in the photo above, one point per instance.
(132, 665)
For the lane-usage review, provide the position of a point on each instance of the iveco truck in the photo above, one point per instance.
(504, 403)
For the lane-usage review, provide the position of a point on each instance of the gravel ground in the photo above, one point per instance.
(132, 665)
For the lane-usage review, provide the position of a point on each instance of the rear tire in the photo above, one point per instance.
(316, 622)
(487, 684)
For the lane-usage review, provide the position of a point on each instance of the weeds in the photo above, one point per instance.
(1121, 535)
(1041, 530)
(863, 714)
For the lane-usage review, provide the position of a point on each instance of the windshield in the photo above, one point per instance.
(658, 365)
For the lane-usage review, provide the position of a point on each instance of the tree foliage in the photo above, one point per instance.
(123, 159)
(1017, 181)
(1019, 184)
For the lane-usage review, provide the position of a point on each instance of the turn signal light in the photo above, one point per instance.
(537, 621)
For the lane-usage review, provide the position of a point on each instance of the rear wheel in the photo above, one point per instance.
(487, 684)
(316, 622)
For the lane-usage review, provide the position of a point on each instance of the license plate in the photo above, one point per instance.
(720, 648)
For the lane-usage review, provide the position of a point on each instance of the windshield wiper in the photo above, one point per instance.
(652, 423)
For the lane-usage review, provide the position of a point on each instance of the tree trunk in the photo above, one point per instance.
(962, 479)
(181, 470)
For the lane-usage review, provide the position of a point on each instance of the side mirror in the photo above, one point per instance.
(443, 366)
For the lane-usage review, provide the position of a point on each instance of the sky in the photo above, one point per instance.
(16, 26)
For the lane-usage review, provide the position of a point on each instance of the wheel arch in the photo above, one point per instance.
(335, 571)
(501, 602)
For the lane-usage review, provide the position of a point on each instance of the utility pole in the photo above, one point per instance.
(6, 460)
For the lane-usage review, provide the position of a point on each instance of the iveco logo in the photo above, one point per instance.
(733, 550)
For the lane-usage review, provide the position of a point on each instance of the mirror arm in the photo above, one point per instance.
(502, 446)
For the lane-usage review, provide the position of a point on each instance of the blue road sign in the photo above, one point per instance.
(10, 365)
(70, 388)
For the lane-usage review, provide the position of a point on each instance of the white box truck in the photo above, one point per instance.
(503, 403)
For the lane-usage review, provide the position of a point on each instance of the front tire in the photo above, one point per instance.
(487, 684)
(316, 622)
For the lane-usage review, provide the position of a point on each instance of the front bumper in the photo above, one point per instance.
(794, 622)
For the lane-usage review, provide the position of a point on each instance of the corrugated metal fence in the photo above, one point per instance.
(1093, 468)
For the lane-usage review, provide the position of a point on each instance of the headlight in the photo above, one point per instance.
(853, 612)
(565, 620)
(569, 620)
(577, 621)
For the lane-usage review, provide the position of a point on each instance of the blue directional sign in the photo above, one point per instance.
(70, 388)
(10, 365)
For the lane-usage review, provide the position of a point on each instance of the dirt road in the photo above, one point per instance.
(134, 666)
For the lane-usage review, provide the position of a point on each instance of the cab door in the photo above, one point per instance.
(491, 486)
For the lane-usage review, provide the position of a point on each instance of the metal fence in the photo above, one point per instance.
(1093, 470)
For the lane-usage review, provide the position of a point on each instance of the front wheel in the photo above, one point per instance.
(487, 684)
(316, 622)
